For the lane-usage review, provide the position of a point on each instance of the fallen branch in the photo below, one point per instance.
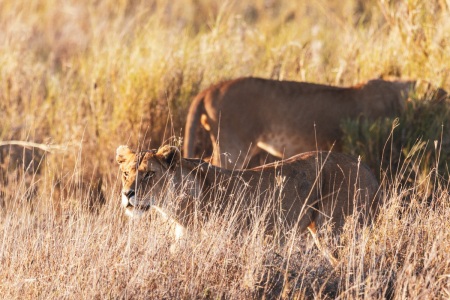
(47, 148)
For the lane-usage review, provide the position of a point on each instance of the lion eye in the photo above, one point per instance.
(149, 174)
(126, 174)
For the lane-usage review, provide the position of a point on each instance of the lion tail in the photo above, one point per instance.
(196, 110)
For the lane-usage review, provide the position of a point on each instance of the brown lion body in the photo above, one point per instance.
(284, 118)
(312, 188)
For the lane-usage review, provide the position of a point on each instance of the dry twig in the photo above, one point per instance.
(47, 148)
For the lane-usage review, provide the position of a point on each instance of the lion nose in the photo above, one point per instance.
(129, 193)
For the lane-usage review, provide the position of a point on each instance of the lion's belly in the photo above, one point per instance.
(284, 145)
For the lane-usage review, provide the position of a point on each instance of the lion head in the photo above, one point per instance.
(144, 176)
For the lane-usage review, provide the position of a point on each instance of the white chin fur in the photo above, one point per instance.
(134, 213)
(124, 201)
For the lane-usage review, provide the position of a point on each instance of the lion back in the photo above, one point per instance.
(345, 186)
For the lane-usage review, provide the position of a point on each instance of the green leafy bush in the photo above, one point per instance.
(414, 144)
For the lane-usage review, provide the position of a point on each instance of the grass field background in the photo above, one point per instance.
(82, 77)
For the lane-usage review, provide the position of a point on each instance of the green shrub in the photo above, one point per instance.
(410, 146)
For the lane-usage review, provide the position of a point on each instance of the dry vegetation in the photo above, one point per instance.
(86, 76)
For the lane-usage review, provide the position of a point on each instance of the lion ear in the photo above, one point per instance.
(122, 153)
(169, 154)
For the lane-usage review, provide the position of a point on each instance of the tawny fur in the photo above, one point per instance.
(284, 118)
(311, 188)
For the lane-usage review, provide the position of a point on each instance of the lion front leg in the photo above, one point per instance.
(177, 231)
(325, 251)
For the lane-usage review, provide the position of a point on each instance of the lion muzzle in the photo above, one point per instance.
(128, 197)
(133, 205)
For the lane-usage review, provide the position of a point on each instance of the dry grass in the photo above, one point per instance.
(92, 75)
(105, 255)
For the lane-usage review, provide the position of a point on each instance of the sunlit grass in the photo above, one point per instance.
(78, 253)
(89, 76)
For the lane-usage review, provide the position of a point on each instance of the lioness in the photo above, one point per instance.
(284, 117)
(311, 188)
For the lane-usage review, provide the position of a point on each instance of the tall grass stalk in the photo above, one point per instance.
(97, 74)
